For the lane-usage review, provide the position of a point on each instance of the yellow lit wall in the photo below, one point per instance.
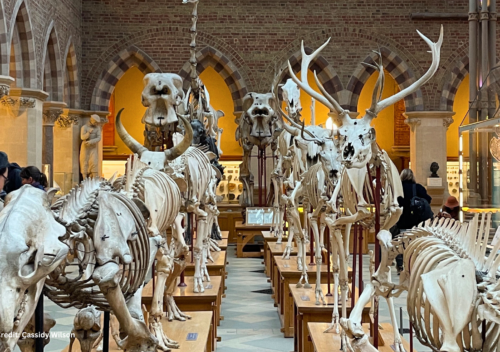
(128, 93)
(384, 122)
(460, 107)
(220, 99)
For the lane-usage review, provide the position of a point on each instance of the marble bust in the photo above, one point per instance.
(89, 154)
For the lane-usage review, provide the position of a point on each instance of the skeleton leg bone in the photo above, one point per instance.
(313, 220)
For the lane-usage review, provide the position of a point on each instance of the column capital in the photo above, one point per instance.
(52, 111)
(69, 117)
(5, 83)
(417, 118)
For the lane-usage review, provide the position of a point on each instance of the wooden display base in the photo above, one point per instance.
(269, 239)
(217, 268)
(200, 323)
(224, 235)
(286, 274)
(305, 310)
(326, 342)
(245, 234)
(276, 250)
(222, 244)
(188, 301)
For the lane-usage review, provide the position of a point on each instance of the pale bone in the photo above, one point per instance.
(161, 94)
(356, 140)
(32, 252)
(256, 127)
(87, 329)
(27, 344)
(291, 95)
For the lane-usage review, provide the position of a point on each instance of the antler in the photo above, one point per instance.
(436, 51)
(325, 99)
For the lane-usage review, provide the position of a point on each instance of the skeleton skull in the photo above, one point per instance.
(259, 114)
(291, 94)
(356, 138)
(29, 238)
(161, 94)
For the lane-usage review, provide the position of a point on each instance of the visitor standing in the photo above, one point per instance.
(416, 208)
(13, 183)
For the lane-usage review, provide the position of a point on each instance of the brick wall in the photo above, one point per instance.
(62, 15)
(256, 36)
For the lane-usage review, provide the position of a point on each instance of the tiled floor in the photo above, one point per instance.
(250, 322)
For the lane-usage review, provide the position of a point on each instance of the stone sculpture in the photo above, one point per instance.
(89, 152)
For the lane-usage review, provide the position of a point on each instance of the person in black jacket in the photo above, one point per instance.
(407, 221)
(14, 181)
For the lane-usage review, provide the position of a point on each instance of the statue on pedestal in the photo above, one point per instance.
(89, 155)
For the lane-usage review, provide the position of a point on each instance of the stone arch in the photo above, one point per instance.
(326, 73)
(71, 82)
(22, 48)
(132, 56)
(211, 57)
(4, 49)
(53, 81)
(397, 68)
(450, 87)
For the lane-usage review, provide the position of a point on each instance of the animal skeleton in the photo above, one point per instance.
(256, 127)
(358, 149)
(30, 253)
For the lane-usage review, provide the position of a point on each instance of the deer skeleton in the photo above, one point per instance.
(360, 155)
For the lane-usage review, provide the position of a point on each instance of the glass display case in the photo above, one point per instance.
(230, 187)
(479, 152)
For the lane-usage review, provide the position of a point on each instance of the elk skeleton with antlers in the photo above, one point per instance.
(359, 151)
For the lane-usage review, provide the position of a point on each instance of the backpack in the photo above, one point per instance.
(420, 208)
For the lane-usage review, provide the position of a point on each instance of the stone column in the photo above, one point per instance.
(428, 144)
(51, 112)
(21, 121)
(67, 148)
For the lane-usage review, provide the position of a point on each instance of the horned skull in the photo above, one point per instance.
(259, 113)
(356, 137)
(155, 160)
(161, 94)
(291, 94)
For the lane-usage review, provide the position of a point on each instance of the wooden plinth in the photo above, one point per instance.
(187, 301)
(286, 274)
(217, 268)
(200, 323)
(305, 310)
(245, 234)
(222, 244)
(224, 235)
(327, 342)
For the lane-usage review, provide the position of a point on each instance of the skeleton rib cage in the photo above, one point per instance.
(441, 256)
(78, 212)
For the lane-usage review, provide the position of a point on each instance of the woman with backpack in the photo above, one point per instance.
(416, 208)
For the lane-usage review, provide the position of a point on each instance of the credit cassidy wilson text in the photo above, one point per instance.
(32, 335)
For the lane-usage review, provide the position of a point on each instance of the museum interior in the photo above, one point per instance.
(268, 176)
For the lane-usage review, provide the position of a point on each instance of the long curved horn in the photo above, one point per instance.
(294, 126)
(180, 148)
(129, 141)
(292, 130)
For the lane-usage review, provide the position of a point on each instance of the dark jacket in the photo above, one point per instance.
(406, 221)
(15, 181)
